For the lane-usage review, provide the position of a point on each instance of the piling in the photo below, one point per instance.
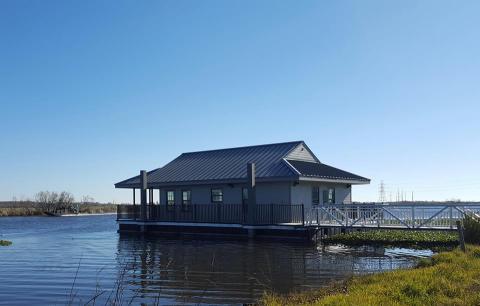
(461, 235)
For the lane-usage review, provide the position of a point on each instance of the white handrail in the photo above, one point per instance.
(409, 216)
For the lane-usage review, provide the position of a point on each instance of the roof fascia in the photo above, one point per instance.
(210, 182)
(134, 177)
(333, 180)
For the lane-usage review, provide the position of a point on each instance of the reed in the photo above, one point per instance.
(98, 208)
(19, 211)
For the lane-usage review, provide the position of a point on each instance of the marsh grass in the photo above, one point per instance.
(98, 208)
(450, 278)
(17, 211)
(395, 238)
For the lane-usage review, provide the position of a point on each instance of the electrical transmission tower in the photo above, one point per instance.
(381, 193)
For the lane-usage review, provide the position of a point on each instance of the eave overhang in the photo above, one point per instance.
(333, 180)
(206, 182)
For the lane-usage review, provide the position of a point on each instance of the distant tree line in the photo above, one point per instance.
(54, 202)
(57, 202)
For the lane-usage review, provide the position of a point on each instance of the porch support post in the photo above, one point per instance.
(133, 196)
(143, 195)
(252, 196)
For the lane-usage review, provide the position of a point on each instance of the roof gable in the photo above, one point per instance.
(302, 152)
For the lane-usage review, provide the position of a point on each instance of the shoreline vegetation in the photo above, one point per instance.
(448, 278)
(53, 203)
(28, 208)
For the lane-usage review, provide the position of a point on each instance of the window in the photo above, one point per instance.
(170, 198)
(315, 195)
(245, 196)
(329, 196)
(217, 195)
(186, 198)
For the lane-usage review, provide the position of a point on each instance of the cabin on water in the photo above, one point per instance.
(255, 189)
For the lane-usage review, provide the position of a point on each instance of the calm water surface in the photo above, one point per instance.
(54, 261)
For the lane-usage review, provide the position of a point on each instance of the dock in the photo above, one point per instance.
(290, 221)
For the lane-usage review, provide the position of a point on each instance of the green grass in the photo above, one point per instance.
(5, 243)
(449, 278)
(395, 237)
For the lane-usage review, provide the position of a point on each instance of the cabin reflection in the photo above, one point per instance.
(210, 271)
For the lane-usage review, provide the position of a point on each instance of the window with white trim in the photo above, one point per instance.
(217, 195)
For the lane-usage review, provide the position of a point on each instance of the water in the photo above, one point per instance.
(54, 261)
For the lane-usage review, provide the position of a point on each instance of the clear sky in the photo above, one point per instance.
(93, 91)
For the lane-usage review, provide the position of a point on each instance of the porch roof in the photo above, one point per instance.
(323, 171)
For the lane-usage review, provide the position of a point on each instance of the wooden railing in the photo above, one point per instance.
(265, 214)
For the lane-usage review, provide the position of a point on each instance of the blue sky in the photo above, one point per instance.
(93, 91)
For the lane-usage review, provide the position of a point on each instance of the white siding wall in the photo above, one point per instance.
(276, 193)
(343, 194)
(302, 193)
(301, 153)
(273, 193)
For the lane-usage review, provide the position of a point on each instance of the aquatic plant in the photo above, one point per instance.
(5, 243)
(395, 237)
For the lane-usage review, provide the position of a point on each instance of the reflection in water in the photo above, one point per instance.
(192, 271)
(40, 268)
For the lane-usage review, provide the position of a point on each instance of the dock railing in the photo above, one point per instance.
(404, 216)
(265, 214)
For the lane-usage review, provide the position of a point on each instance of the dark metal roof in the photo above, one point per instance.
(221, 165)
(320, 170)
(230, 165)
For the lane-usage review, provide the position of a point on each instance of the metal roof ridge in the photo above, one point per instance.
(245, 147)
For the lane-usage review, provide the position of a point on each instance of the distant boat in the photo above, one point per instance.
(60, 213)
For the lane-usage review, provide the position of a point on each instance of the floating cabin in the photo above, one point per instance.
(255, 191)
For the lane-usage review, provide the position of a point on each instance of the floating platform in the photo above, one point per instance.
(297, 232)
